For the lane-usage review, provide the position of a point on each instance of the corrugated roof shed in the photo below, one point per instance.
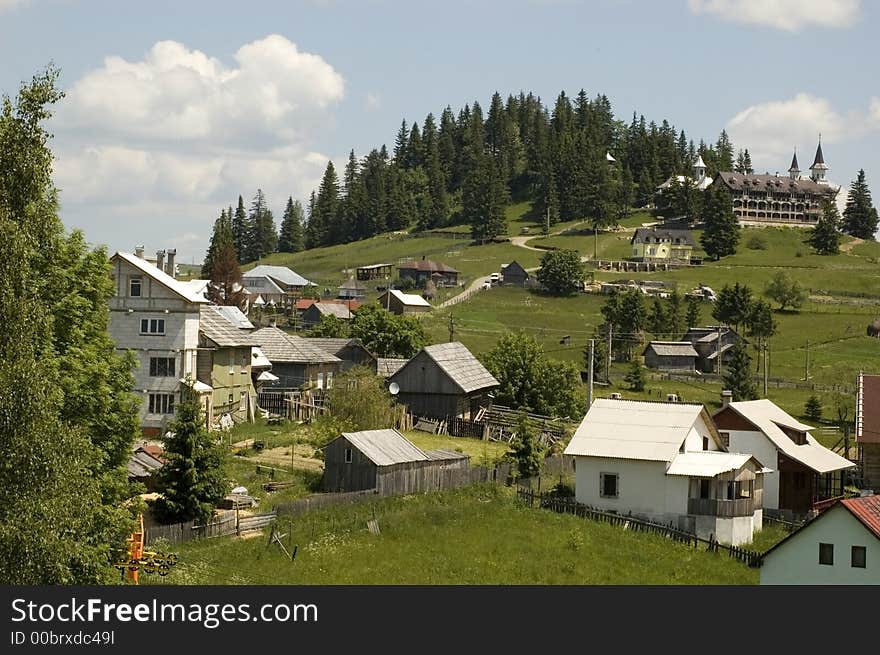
(385, 447)
(461, 366)
(410, 299)
(216, 326)
(182, 289)
(707, 463)
(673, 348)
(767, 417)
(629, 429)
(280, 273)
(281, 347)
(333, 309)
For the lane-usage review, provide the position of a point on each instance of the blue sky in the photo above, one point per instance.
(176, 108)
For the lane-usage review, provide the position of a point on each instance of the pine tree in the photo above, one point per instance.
(740, 166)
(192, 482)
(526, 449)
(723, 154)
(676, 320)
(860, 216)
(721, 234)
(400, 145)
(327, 207)
(658, 319)
(221, 234)
(225, 287)
(824, 238)
(635, 377)
(693, 312)
(240, 230)
(313, 228)
(747, 163)
(262, 235)
(813, 409)
(291, 238)
(738, 378)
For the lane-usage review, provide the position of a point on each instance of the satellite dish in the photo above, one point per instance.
(394, 388)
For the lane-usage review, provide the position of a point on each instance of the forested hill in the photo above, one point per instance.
(464, 168)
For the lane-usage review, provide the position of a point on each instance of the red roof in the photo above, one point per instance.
(866, 510)
(868, 429)
(305, 303)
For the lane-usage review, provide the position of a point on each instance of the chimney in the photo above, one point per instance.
(160, 260)
(726, 397)
(169, 265)
(139, 252)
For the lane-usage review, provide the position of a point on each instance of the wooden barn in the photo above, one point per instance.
(351, 351)
(444, 380)
(295, 361)
(423, 270)
(386, 461)
(710, 342)
(671, 356)
(398, 302)
(514, 274)
(316, 311)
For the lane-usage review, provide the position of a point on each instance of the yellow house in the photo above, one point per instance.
(653, 244)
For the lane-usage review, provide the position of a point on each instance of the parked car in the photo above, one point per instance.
(495, 278)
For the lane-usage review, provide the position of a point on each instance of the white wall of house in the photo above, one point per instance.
(757, 443)
(643, 487)
(694, 439)
(797, 560)
(179, 341)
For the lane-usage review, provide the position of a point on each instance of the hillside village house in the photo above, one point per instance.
(662, 245)
(514, 274)
(398, 302)
(225, 361)
(423, 270)
(388, 366)
(386, 461)
(295, 362)
(841, 546)
(352, 290)
(670, 356)
(868, 428)
(712, 342)
(804, 471)
(277, 285)
(444, 380)
(350, 351)
(156, 317)
(665, 462)
(318, 310)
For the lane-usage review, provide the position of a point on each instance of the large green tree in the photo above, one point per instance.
(387, 334)
(825, 238)
(561, 272)
(262, 235)
(67, 419)
(721, 232)
(860, 216)
(292, 236)
(785, 290)
(193, 481)
(734, 305)
(738, 376)
(240, 233)
(222, 234)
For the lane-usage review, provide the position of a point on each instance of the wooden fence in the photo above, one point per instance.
(225, 524)
(570, 506)
(319, 501)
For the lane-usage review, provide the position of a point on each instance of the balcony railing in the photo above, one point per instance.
(722, 508)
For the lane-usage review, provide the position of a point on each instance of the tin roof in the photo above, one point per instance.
(768, 417)
(708, 463)
(385, 447)
(673, 348)
(280, 273)
(740, 181)
(410, 299)
(629, 429)
(655, 235)
(182, 289)
(278, 346)
(215, 324)
(336, 309)
(443, 455)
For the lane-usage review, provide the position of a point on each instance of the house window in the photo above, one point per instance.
(348, 455)
(134, 287)
(859, 557)
(161, 403)
(161, 367)
(705, 443)
(725, 439)
(705, 488)
(731, 490)
(242, 403)
(608, 487)
(826, 554)
(152, 326)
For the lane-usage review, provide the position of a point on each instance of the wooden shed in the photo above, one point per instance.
(514, 274)
(351, 351)
(397, 302)
(316, 311)
(671, 356)
(295, 361)
(386, 461)
(443, 381)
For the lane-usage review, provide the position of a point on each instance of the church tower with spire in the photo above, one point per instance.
(794, 172)
(699, 171)
(817, 170)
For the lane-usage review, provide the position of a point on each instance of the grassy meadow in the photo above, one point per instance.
(479, 535)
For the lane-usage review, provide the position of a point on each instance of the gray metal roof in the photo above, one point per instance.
(235, 315)
(331, 345)
(461, 366)
(182, 289)
(673, 348)
(216, 326)
(385, 447)
(388, 366)
(280, 273)
(351, 283)
(339, 310)
(142, 464)
(443, 455)
(281, 347)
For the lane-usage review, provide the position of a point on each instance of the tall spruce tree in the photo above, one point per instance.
(738, 376)
(262, 235)
(222, 233)
(327, 208)
(67, 419)
(292, 236)
(721, 233)
(860, 216)
(240, 234)
(824, 238)
(692, 317)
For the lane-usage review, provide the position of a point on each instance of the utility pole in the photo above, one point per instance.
(595, 241)
(807, 361)
(608, 354)
(766, 352)
(718, 352)
(590, 375)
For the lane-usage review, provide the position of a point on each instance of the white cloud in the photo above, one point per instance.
(772, 129)
(12, 5)
(180, 131)
(788, 15)
(373, 102)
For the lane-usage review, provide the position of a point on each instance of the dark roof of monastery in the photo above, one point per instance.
(743, 182)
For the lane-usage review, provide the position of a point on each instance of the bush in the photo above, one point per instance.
(757, 242)
(799, 253)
